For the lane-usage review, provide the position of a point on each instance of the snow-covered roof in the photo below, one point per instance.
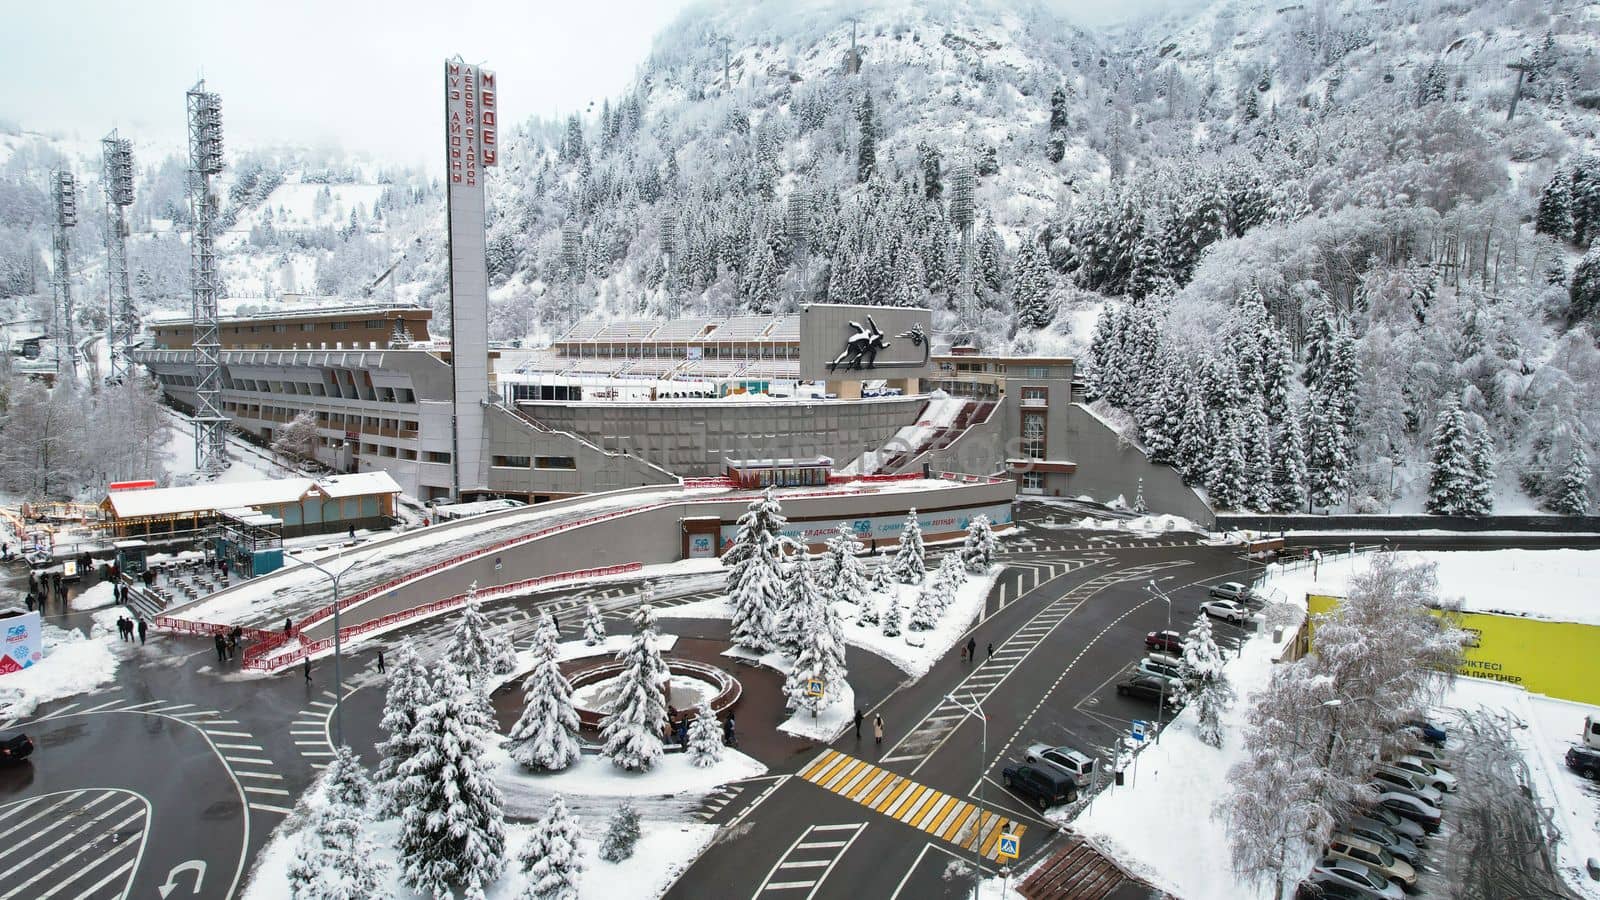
(207, 498)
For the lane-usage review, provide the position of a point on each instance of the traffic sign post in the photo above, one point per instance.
(1139, 727)
(814, 687)
(1010, 846)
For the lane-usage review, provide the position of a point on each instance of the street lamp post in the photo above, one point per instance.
(338, 674)
(1161, 704)
(976, 711)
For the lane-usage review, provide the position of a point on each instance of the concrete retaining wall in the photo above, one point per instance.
(1109, 466)
(1558, 524)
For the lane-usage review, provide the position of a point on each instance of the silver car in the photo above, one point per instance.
(1077, 766)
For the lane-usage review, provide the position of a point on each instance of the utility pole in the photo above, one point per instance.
(121, 318)
(66, 196)
(1521, 67)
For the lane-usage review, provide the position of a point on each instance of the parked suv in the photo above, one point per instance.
(1160, 666)
(1042, 786)
(1585, 761)
(1429, 773)
(1075, 765)
(1147, 687)
(1348, 846)
(1377, 832)
(1399, 780)
(1352, 873)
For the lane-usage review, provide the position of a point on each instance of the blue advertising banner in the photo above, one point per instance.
(24, 644)
(884, 528)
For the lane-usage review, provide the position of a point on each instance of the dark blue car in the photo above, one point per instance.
(1430, 732)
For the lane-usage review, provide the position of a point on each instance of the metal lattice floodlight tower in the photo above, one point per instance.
(963, 215)
(122, 320)
(65, 188)
(205, 160)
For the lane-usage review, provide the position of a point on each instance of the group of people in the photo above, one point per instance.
(227, 643)
(126, 628)
(44, 587)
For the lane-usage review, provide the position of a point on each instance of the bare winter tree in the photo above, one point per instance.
(298, 439)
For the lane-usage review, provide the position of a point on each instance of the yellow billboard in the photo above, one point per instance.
(1552, 658)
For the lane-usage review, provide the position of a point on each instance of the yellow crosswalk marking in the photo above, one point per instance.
(942, 815)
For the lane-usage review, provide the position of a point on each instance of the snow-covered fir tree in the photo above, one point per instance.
(1228, 479)
(594, 626)
(408, 691)
(801, 596)
(889, 615)
(470, 647)
(551, 860)
(1452, 478)
(632, 730)
(979, 548)
(821, 656)
(1139, 505)
(909, 566)
(705, 738)
(1328, 462)
(546, 736)
(452, 830)
(845, 578)
(755, 575)
(927, 608)
(622, 832)
(1288, 489)
(1033, 287)
(1204, 674)
(335, 857)
(1483, 468)
(1571, 494)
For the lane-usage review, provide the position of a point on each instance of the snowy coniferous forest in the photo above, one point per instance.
(1313, 224)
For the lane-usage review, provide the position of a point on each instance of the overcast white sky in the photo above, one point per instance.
(359, 73)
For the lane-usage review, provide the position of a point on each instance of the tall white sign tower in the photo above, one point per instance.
(471, 145)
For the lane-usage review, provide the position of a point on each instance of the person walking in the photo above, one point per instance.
(305, 666)
(352, 531)
(288, 626)
(381, 669)
(858, 723)
(222, 647)
(143, 627)
(729, 736)
(991, 651)
(30, 601)
(877, 730)
(972, 649)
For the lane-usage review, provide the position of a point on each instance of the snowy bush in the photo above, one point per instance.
(705, 739)
(594, 626)
(978, 550)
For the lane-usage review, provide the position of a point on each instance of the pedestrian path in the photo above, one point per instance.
(77, 845)
(930, 733)
(946, 817)
(801, 869)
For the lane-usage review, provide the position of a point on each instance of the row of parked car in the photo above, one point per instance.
(1377, 854)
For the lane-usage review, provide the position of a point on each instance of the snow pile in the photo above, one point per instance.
(1160, 825)
(72, 664)
(528, 794)
(1144, 525)
(1540, 584)
(94, 598)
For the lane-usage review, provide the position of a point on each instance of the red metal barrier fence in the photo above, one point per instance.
(264, 663)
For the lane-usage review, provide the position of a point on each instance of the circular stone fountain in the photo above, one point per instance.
(692, 683)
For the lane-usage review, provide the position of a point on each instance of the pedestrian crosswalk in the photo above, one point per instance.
(801, 869)
(1021, 577)
(1024, 545)
(79, 845)
(946, 817)
(308, 730)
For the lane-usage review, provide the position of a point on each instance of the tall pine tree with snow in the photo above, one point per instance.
(632, 731)
(335, 859)
(1555, 208)
(705, 739)
(1205, 675)
(867, 148)
(1103, 347)
(409, 690)
(1195, 440)
(1482, 475)
(622, 832)
(1033, 287)
(845, 578)
(755, 576)
(1227, 480)
(1328, 460)
(1452, 479)
(821, 655)
(801, 597)
(452, 831)
(978, 550)
(470, 648)
(594, 626)
(926, 610)
(909, 566)
(546, 735)
(551, 860)
(1288, 466)
(889, 614)
(1570, 497)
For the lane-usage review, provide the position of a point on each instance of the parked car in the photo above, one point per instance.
(1428, 731)
(1397, 871)
(1355, 874)
(1230, 610)
(1410, 806)
(1147, 687)
(1591, 731)
(1332, 890)
(1397, 823)
(1585, 761)
(1154, 665)
(1164, 641)
(15, 747)
(1077, 766)
(1430, 774)
(1431, 755)
(1041, 786)
(1384, 836)
(1230, 590)
(1396, 780)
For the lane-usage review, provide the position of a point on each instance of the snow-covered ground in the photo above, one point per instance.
(72, 664)
(1542, 584)
(100, 595)
(593, 775)
(1141, 525)
(913, 651)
